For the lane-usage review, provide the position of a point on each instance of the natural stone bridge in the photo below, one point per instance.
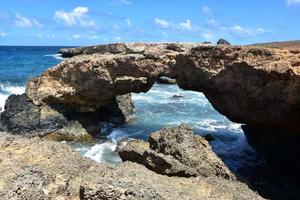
(255, 86)
(249, 85)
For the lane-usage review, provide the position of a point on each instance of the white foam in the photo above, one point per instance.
(56, 56)
(215, 125)
(106, 152)
(14, 89)
(2, 101)
(9, 90)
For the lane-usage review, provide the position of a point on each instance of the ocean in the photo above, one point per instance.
(163, 105)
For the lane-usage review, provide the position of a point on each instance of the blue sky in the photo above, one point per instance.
(86, 22)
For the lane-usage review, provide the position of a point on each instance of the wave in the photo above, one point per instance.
(106, 152)
(56, 56)
(6, 90)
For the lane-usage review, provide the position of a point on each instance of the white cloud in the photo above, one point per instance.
(183, 26)
(187, 25)
(162, 23)
(290, 2)
(248, 32)
(25, 22)
(206, 10)
(76, 16)
(2, 34)
(76, 36)
(207, 36)
(93, 37)
(211, 22)
(128, 22)
(241, 30)
(117, 38)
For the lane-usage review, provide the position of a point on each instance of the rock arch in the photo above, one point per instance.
(255, 86)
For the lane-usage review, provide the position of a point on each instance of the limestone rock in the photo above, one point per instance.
(40, 169)
(176, 152)
(250, 85)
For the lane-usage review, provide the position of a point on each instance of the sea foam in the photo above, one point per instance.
(6, 90)
(56, 56)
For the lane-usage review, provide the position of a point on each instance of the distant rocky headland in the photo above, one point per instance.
(255, 86)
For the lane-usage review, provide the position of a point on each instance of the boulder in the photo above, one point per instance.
(176, 152)
(166, 80)
(20, 115)
(41, 169)
(60, 122)
(223, 42)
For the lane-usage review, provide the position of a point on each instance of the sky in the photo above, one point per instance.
(87, 22)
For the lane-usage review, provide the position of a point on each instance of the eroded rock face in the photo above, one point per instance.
(92, 80)
(60, 122)
(175, 152)
(253, 86)
(249, 85)
(40, 169)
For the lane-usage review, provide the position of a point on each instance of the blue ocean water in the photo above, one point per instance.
(163, 105)
(18, 64)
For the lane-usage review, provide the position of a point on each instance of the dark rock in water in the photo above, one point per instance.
(61, 122)
(177, 96)
(175, 152)
(166, 80)
(223, 42)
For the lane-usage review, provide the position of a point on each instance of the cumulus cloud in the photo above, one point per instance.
(206, 10)
(76, 36)
(183, 26)
(162, 23)
(187, 25)
(247, 32)
(207, 36)
(128, 22)
(25, 22)
(78, 16)
(290, 2)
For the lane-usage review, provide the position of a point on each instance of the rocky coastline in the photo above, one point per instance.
(254, 86)
(55, 171)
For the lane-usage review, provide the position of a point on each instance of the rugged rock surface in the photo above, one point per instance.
(59, 122)
(255, 86)
(176, 152)
(39, 169)
(250, 85)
